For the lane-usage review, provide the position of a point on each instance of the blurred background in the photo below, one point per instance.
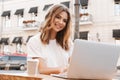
(97, 20)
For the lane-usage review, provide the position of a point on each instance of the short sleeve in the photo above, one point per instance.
(34, 48)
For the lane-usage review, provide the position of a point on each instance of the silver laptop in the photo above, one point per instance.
(93, 60)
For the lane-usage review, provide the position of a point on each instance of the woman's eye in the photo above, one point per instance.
(58, 17)
(65, 21)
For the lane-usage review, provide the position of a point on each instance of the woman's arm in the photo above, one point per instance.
(44, 69)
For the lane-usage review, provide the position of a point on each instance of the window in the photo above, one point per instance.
(117, 8)
(6, 19)
(17, 58)
(5, 41)
(6, 22)
(47, 6)
(33, 11)
(84, 35)
(67, 4)
(33, 16)
(19, 48)
(84, 10)
(6, 49)
(5, 58)
(5, 45)
(28, 38)
(18, 42)
(20, 21)
(117, 41)
(116, 33)
(19, 14)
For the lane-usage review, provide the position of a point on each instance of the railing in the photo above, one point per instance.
(85, 19)
(30, 25)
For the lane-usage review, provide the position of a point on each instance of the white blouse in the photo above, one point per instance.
(53, 53)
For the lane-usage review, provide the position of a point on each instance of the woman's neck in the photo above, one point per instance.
(53, 34)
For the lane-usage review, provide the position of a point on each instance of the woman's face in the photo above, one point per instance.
(60, 21)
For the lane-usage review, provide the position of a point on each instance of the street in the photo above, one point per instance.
(11, 71)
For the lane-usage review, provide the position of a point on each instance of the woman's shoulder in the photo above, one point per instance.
(35, 38)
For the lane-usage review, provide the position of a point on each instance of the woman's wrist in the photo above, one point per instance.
(63, 69)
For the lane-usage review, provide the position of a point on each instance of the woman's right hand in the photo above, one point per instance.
(63, 69)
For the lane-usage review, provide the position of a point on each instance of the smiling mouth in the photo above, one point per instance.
(58, 26)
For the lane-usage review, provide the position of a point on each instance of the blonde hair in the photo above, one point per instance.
(62, 36)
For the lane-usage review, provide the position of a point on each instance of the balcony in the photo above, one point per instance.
(30, 25)
(85, 19)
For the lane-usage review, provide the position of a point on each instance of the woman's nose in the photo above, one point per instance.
(61, 21)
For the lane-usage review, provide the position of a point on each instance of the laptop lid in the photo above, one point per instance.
(93, 60)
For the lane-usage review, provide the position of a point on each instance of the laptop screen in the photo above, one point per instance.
(93, 60)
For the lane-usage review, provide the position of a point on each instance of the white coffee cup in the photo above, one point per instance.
(32, 66)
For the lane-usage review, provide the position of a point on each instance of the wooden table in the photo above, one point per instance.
(25, 76)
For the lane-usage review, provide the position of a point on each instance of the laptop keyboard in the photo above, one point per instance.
(62, 75)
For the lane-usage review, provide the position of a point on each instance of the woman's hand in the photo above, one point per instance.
(64, 69)
(44, 69)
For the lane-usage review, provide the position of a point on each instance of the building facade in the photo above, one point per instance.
(99, 20)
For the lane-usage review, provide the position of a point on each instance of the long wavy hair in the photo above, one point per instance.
(62, 36)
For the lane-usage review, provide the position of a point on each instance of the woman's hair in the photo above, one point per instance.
(62, 36)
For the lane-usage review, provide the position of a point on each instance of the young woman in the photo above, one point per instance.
(52, 46)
